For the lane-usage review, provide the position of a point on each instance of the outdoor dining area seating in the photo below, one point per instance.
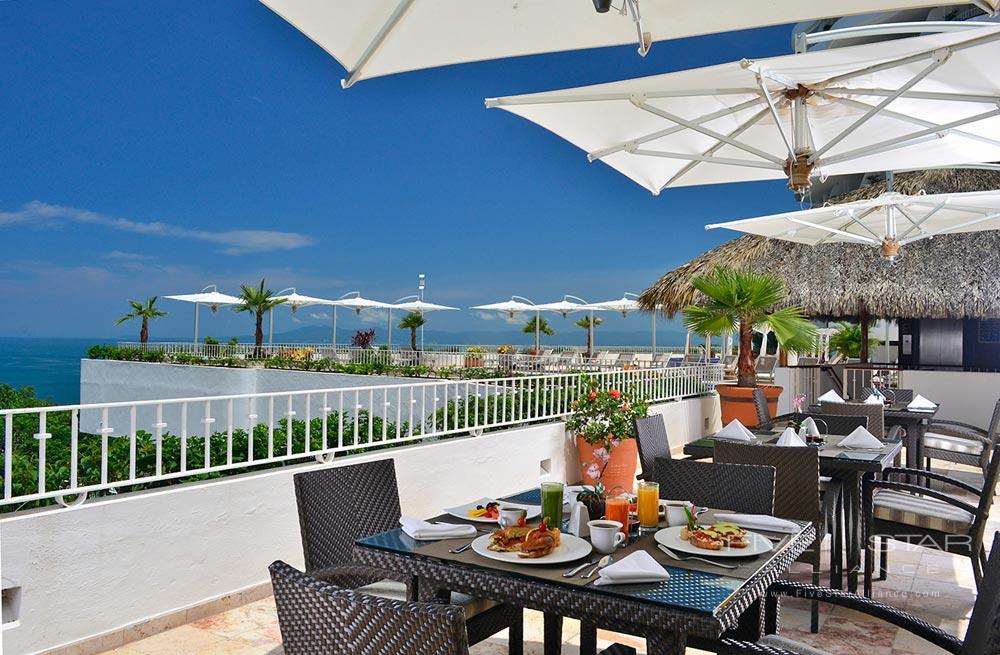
(824, 485)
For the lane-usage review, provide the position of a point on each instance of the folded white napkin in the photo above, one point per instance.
(790, 438)
(758, 522)
(921, 403)
(735, 430)
(874, 400)
(636, 568)
(860, 438)
(811, 428)
(425, 531)
(831, 396)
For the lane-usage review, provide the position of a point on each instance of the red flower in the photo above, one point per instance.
(614, 393)
(592, 395)
(626, 409)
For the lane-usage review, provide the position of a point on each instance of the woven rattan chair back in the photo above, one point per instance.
(735, 487)
(837, 424)
(796, 477)
(983, 634)
(341, 504)
(651, 438)
(875, 414)
(763, 412)
(317, 616)
(991, 477)
(895, 395)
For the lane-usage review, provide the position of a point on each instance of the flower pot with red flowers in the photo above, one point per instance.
(603, 423)
(739, 301)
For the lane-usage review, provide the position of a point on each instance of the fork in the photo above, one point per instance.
(462, 549)
(685, 558)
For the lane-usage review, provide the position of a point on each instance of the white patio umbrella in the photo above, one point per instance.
(514, 305)
(626, 304)
(293, 300)
(355, 301)
(889, 221)
(568, 305)
(417, 306)
(380, 37)
(210, 296)
(906, 103)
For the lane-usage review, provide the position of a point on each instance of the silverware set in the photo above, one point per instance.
(684, 558)
(596, 564)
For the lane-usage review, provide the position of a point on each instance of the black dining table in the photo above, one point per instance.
(849, 466)
(913, 421)
(696, 602)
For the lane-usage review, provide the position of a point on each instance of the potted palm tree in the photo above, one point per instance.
(739, 301)
(259, 301)
(146, 311)
(412, 322)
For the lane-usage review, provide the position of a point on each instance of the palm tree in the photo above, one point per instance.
(538, 326)
(741, 300)
(145, 312)
(848, 340)
(411, 322)
(259, 301)
(588, 323)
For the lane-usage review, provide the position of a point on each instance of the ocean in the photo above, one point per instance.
(51, 366)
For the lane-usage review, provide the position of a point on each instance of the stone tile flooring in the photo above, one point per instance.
(934, 586)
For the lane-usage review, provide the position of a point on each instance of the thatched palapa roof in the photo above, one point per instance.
(949, 276)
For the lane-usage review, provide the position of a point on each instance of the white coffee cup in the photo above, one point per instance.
(509, 516)
(674, 512)
(606, 535)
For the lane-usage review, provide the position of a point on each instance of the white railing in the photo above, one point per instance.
(73, 450)
(222, 349)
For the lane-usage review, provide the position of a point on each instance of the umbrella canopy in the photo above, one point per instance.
(380, 37)
(905, 103)
(891, 220)
(208, 296)
(564, 306)
(355, 301)
(296, 300)
(509, 307)
(627, 303)
(421, 307)
(950, 276)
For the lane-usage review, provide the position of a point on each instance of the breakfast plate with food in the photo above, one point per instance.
(716, 540)
(525, 544)
(487, 510)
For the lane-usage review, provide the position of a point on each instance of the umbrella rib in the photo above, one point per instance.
(917, 224)
(774, 114)
(854, 219)
(910, 119)
(557, 98)
(708, 160)
(817, 226)
(610, 150)
(871, 113)
(953, 228)
(656, 111)
(394, 19)
(750, 122)
(914, 95)
(901, 141)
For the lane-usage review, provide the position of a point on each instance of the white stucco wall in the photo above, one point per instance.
(88, 570)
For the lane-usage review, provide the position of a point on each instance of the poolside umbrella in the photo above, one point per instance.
(355, 301)
(514, 305)
(627, 303)
(380, 37)
(293, 300)
(420, 307)
(565, 307)
(208, 296)
(905, 103)
(889, 221)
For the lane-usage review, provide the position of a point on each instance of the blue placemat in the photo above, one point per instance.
(530, 497)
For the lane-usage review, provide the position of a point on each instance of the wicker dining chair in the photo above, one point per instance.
(329, 616)
(798, 495)
(962, 443)
(735, 487)
(875, 414)
(651, 438)
(905, 511)
(340, 504)
(763, 412)
(895, 395)
(982, 637)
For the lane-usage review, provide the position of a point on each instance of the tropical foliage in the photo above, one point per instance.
(588, 323)
(737, 300)
(145, 311)
(847, 341)
(412, 322)
(364, 339)
(258, 301)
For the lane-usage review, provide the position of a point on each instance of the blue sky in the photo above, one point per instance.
(156, 147)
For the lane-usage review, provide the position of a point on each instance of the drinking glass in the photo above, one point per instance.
(616, 509)
(552, 503)
(649, 505)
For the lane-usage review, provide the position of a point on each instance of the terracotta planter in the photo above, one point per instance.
(473, 362)
(737, 403)
(620, 471)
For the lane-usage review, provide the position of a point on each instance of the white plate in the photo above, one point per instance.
(462, 511)
(671, 538)
(570, 548)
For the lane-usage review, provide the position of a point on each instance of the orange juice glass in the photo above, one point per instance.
(616, 509)
(649, 505)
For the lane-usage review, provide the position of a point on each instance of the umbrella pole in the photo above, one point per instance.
(270, 327)
(388, 330)
(197, 306)
(865, 325)
(687, 343)
(334, 339)
(538, 336)
(590, 336)
(654, 333)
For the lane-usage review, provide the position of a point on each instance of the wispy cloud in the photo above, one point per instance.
(321, 316)
(233, 242)
(118, 255)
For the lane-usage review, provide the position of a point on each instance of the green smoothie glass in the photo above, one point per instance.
(552, 503)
